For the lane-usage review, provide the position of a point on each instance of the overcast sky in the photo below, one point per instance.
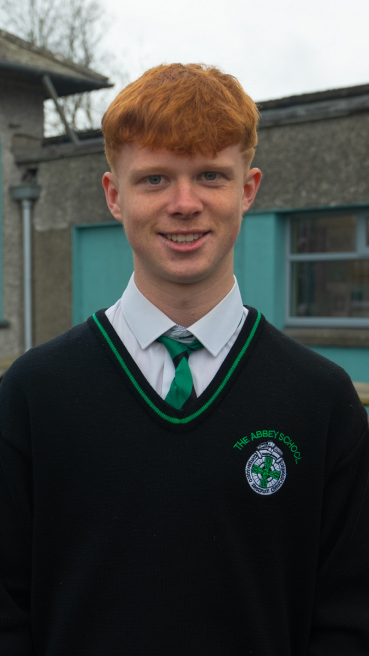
(275, 47)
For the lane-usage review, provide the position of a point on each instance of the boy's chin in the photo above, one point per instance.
(188, 277)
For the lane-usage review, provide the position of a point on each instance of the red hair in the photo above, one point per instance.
(187, 109)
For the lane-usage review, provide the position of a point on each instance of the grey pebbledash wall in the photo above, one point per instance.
(21, 113)
(324, 162)
(71, 194)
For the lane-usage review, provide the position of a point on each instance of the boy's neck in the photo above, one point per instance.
(185, 303)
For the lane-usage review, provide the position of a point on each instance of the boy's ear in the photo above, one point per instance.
(251, 186)
(112, 195)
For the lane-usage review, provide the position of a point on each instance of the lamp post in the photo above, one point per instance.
(26, 193)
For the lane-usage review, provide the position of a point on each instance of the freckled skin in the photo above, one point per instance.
(157, 192)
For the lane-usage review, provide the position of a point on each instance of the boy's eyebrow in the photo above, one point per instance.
(146, 171)
(226, 168)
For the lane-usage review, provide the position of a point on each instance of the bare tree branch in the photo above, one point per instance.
(72, 29)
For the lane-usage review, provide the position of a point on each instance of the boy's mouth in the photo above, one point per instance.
(185, 239)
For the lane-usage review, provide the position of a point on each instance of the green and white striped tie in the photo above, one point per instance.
(182, 387)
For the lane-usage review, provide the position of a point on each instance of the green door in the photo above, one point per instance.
(102, 267)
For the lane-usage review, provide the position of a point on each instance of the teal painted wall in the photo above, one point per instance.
(102, 266)
(260, 264)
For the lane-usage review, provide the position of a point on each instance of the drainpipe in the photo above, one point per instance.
(26, 193)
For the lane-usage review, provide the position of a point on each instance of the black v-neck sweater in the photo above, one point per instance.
(236, 527)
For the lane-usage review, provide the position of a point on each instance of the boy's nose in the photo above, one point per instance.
(184, 201)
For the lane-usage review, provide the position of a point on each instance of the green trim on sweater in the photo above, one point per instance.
(176, 420)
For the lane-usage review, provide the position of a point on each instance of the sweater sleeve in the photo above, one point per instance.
(15, 526)
(341, 615)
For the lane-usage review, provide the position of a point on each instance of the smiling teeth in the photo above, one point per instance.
(185, 238)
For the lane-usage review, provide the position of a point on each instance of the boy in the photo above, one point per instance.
(178, 476)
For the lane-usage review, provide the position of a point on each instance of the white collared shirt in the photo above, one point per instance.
(139, 323)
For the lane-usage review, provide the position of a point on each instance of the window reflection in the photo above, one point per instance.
(324, 234)
(332, 288)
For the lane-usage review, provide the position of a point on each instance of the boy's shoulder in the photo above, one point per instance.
(299, 358)
(63, 352)
(301, 372)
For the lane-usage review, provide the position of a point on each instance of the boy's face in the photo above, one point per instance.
(181, 215)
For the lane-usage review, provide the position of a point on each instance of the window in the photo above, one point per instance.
(328, 269)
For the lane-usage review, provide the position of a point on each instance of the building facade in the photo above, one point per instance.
(302, 256)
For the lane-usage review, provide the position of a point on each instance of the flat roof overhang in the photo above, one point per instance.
(65, 84)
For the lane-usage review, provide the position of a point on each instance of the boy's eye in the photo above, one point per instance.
(210, 175)
(154, 179)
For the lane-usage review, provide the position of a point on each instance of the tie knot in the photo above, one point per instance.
(179, 333)
(178, 350)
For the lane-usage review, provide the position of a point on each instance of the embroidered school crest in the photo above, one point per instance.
(266, 469)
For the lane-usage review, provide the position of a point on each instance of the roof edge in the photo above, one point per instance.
(315, 96)
(65, 84)
(44, 52)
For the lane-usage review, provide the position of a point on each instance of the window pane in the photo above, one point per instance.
(324, 234)
(330, 289)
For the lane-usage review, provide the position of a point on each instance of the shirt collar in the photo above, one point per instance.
(216, 327)
(213, 330)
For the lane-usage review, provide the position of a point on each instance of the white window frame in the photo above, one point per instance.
(362, 252)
